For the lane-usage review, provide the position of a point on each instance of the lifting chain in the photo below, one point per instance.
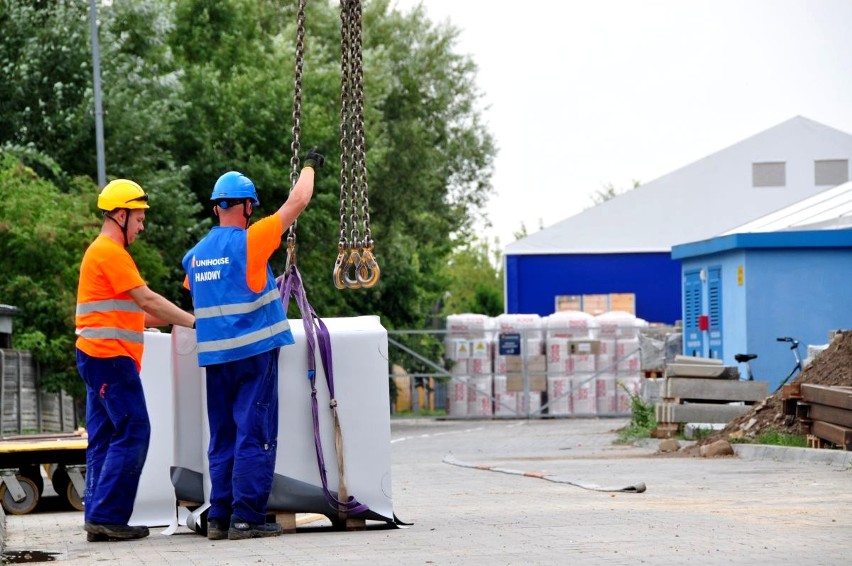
(297, 123)
(356, 266)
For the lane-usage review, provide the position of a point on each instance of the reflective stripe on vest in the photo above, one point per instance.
(239, 308)
(107, 306)
(246, 339)
(112, 333)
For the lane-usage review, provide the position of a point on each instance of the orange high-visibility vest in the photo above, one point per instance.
(109, 323)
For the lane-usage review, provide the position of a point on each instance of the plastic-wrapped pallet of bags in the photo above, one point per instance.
(571, 324)
(619, 335)
(529, 326)
(469, 325)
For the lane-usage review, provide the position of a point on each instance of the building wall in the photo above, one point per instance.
(800, 293)
(534, 281)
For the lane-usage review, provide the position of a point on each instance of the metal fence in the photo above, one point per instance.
(522, 374)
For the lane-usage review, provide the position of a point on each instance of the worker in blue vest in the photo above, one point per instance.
(241, 325)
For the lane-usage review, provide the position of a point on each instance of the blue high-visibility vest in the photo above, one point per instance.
(232, 321)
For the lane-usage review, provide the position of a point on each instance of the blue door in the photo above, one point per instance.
(693, 338)
(714, 311)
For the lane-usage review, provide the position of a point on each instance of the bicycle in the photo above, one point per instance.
(794, 346)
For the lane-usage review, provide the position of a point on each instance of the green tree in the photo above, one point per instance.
(193, 88)
(45, 62)
(44, 231)
(429, 156)
(42, 234)
(475, 281)
(608, 192)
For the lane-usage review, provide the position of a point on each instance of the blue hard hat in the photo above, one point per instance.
(234, 185)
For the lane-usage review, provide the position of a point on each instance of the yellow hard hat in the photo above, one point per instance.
(122, 193)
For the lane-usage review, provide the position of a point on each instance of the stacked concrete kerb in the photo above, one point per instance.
(571, 348)
(469, 346)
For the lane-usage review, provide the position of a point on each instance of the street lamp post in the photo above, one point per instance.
(99, 114)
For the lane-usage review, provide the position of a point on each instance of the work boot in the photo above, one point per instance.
(217, 529)
(99, 532)
(243, 529)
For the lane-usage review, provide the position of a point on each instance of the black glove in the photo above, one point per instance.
(314, 159)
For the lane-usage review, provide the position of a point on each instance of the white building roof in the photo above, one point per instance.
(828, 210)
(701, 200)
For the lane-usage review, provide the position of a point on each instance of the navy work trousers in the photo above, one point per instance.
(242, 410)
(119, 433)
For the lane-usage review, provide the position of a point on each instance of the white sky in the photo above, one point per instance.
(578, 94)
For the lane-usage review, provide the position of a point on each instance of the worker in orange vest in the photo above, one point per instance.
(114, 306)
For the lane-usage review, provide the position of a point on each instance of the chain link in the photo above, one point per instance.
(360, 268)
(297, 121)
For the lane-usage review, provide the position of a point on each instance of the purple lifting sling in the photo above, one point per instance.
(316, 333)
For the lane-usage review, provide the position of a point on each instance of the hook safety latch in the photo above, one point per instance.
(337, 272)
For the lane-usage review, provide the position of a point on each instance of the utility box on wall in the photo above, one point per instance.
(743, 291)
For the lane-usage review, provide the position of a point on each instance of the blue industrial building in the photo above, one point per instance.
(755, 288)
(624, 245)
(783, 275)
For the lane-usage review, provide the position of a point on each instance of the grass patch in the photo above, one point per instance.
(776, 438)
(642, 419)
(421, 413)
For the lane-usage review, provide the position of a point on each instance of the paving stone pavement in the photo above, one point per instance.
(721, 511)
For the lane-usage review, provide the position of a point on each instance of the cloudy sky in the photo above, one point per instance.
(581, 94)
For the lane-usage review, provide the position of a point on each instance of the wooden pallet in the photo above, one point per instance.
(289, 520)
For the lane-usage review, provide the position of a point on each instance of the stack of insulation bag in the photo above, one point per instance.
(574, 364)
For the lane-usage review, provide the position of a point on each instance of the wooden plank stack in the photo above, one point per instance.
(824, 412)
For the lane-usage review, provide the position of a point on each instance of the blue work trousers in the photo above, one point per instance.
(242, 410)
(119, 433)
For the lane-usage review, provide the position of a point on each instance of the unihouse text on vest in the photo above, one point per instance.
(211, 274)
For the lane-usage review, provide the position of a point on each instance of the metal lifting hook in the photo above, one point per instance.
(368, 274)
(350, 273)
(291, 253)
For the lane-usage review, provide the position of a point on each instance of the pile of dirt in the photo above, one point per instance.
(832, 366)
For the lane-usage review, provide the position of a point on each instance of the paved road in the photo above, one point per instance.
(697, 511)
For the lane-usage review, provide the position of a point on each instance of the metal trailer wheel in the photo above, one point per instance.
(65, 489)
(33, 472)
(24, 506)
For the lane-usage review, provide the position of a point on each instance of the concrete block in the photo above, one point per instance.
(698, 413)
(715, 389)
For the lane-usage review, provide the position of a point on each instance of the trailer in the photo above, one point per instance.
(26, 460)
